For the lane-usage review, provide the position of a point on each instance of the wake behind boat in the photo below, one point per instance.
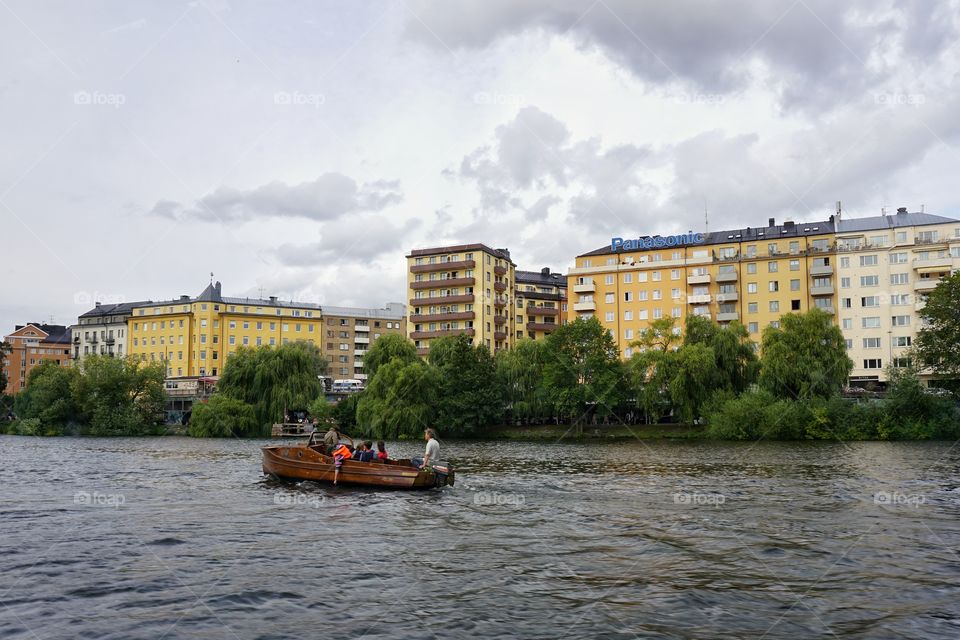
(309, 461)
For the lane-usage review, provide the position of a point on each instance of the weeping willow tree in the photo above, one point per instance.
(273, 379)
(520, 374)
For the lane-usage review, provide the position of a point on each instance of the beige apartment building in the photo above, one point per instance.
(461, 289)
(541, 303)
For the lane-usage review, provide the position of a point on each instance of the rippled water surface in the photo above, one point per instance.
(174, 537)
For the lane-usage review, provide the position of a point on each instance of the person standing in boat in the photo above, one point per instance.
(432, 452)
(331, 439)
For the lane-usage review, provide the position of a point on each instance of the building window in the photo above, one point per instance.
(873, 363)
(901, 341)
(752, 307)
(869, 281)
(772, 267)
(870, 301)
(794, 265)
(871, 322)
(751, 267)
(871, 343)
(774, 285)
(753, 327)
(845, 262)
(794, 285)
(774, 306)
(844, 283)
(848, 323)
(751, 287)
(899, 278)
(609, 316)
(901, 321)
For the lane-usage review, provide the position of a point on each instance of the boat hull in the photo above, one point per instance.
(302, 462)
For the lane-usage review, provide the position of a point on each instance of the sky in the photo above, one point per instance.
(302, 149)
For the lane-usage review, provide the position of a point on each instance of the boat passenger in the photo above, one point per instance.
(341, 453)
(432, 453)
(381, 451)
(363, 452)
(331, 438)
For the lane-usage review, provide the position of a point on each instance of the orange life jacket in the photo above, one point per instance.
(343, 451)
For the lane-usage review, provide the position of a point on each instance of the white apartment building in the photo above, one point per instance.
(102, 330)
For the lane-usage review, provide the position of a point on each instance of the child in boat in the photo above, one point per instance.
(381, 451)
(364, 452)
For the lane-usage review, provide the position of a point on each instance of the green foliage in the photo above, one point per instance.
(119, 396)
(400, 400)
(520, 377)
(273, 379)
(345, 413)
(386, 348)
(936, 343)
(4, 352)
(805, 358)
(320, 409)
(49, 397)
(470, 398)
(223, 417)
(583, 371)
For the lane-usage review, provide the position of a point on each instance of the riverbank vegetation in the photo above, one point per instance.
(100, 396)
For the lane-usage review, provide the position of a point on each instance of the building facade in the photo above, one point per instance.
(461, 289)
(887, 265)
(30, 345)
(870, 273)
(102, 330)
(541, 303)
(752, 275)
(349, 332)
(195, 335)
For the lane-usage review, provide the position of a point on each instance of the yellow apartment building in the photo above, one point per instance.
(461, 289)
(752, 275)
(195, 335)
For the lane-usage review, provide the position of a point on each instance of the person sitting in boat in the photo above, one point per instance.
(432, 453)
(331, 439)
(381, 451)
(364, 452)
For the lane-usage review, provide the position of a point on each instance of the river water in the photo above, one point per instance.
(175, 537)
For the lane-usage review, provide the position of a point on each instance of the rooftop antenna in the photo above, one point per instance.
(922, 208)
(883, 211)
(211, 277)
(839, 209)
(706, 218)
(261, 293)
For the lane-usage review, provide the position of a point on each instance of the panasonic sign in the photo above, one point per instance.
(655, 242)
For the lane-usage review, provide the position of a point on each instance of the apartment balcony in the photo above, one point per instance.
(821, 270)
(360, 376)
(927, 284)
(361, 327)
(919, 305)
(728, 297)
(585, 306)
(443, 266)
(500, 336)
(422, 302)
(928, 263)
(822, 291)
(704, 279)
(499, 320)
(500, 301)
(443, 283)
(542, 326)
(707, 316)
(542, 311)
(500, 271)
(826, 309)
(359, 353)
(441, 333)
(422, 351)
(586, 287)
(499, 287)
(94, 340)
(539, 295)
(703, 298)
(727, 316)
(109, 340)
(443, 317)
(76, 339)
(361, 339)
(727, 276)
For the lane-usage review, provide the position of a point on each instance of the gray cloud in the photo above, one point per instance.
(815, 52)
(366, 239)
(329, 197)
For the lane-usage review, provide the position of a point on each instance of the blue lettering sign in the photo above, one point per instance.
(655, 242)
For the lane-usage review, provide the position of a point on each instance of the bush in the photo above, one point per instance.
(222, 417)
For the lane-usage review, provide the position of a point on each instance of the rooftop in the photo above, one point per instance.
(543, 277)
(55, 332)
(457, 248)
(902, 218)
(112, 309)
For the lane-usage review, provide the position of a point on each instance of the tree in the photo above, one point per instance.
(274, 379)
(400, 399)
(5, 349)
(583, 371)
(935, 347)
(119, 396)
(805, 358)
(48, 397)
(520, 377)
(735, 357)
(222, 417)
(386, 348)
(470, 398)
(662, 335)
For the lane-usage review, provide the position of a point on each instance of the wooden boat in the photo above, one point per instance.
(309, 461)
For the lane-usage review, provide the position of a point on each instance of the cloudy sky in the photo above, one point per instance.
(302, 148)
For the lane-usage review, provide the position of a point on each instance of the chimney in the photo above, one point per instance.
(185, 298)
(273, 298)
(545, 271)
(217, 287)
(901, 210)
(771, 222)
(96, 304)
